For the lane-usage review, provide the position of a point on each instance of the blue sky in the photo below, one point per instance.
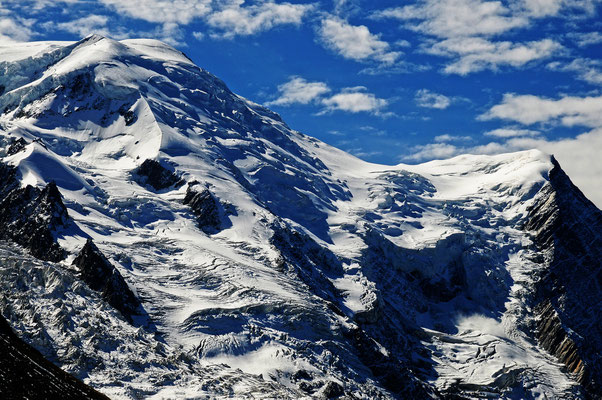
(388, 81)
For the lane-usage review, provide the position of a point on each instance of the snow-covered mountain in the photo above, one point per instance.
(166, 238)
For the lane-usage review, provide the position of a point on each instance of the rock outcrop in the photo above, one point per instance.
(98, 273)
(553, 337)
(567, 229)
(207, 209)
(30, 216)
(16, 147)
(152, 173)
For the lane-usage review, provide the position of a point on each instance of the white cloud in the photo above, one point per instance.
(477, 54)
(355, 42)
(40, 5)
(181, 12)
(543, 8)
(579, 156)
(456, 18)
(14, 30)
(355, 100)
(451, 138)
(372, 130)
(464, 30)
(463, 18)
(228, 17)
(87, 25)
(103, 25)
(361, 153)
(236, 20)
(426, 98)
(584, 39)
(432, 151)
(529, 109)
(403, 43)
(587, 7)
(346, 7)
(587, 70)
(298, 90)
(511, 132)
(400, 67)
(170, 15)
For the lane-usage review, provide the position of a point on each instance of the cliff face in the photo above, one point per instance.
(101, 276)
(568, 230)
(26, 374)
(30, 216)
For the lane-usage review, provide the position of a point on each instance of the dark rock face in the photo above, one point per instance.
(332, 390)
(29, 216)
(102, 277)
(152, 173)
(8, 179)
(26, 374)
(16, 146)
(391, 372)
(128, 115)
(206, 207)
(568, 230)
(313, 264)
(552, 336)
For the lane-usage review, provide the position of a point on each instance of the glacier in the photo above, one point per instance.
(259, 262)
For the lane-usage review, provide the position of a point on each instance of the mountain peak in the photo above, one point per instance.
(91, 38)
(406, 281)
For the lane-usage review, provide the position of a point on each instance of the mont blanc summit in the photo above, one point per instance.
(163, 237)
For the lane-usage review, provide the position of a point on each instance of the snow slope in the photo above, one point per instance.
(301, 271)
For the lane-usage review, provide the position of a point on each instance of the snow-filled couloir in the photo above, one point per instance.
(179, 241)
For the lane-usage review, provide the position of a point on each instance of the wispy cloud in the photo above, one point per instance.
(584, 39)
(355, 42)
(355, 100)
(107, 26)
(85, 26)
(298, 90)
(226, 19)
(346, 7)
(162, 11)
(362, 153)
(451, 138)
(529, 109)
(543, 8)
(586, 69)
(427, 99)
(235, 20)
(465, 31)
(14, 29)
(432, 151)
(456, 18)
(477, 54)
(352, 99)
(512, 132)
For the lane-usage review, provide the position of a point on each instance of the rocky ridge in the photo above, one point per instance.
(26, 374)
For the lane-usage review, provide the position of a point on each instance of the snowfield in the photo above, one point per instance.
(299, 271)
